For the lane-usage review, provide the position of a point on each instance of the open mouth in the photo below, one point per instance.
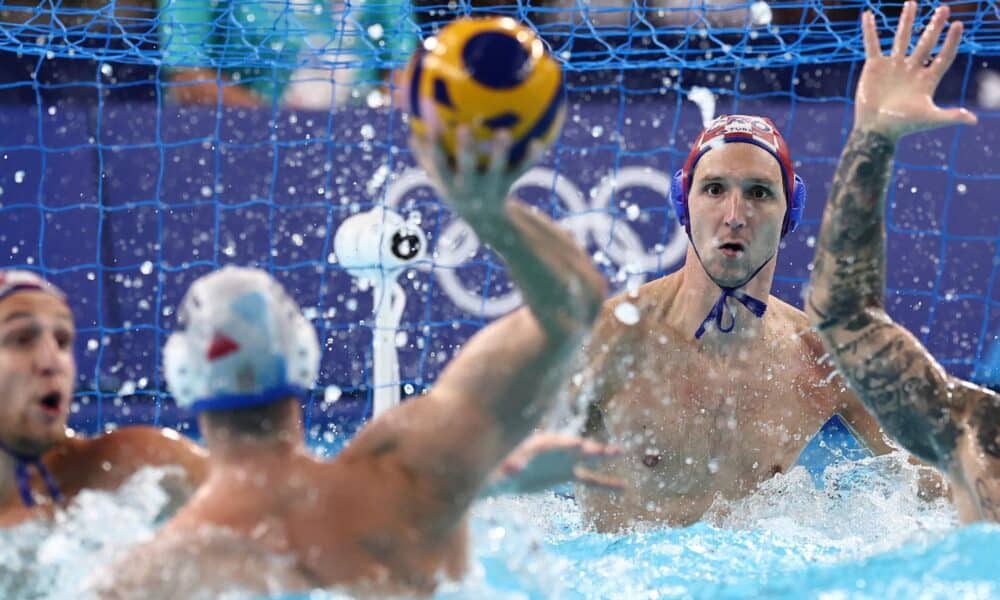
(732, 249)
(50, 403)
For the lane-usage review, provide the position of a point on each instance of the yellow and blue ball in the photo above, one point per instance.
(490, 74)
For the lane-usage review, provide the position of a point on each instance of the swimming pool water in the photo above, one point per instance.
(860, 533)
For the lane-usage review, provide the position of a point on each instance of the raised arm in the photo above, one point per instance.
(495, 390)
(893, 374)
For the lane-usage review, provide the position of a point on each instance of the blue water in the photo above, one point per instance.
(853, 530)
(837, 529)
(863, 534)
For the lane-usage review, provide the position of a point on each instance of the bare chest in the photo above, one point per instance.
(698, 427)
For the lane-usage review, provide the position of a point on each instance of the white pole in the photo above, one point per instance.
(389, 302)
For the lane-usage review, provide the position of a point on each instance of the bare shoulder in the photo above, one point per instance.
(981, 407)
(791, 326)
(630, 315)
(802, 347)
(151, 445)
(108, 460)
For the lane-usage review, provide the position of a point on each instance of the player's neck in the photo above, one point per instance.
(8, 481)
(9, 491)
(697, 294)
(231, 451)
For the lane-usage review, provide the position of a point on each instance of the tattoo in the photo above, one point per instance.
(894, 376)
(989, 506)
(850, 261)
(985, 420)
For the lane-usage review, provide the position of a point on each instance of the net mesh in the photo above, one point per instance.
(145, 145)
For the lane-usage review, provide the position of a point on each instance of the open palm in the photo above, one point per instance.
(895, 95)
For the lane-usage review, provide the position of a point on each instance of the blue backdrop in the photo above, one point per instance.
(124, 205)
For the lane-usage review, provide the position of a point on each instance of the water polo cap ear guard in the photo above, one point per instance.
(244, 343)
(759, 131)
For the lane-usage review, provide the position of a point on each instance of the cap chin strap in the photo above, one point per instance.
(721, 307)
(22, 462)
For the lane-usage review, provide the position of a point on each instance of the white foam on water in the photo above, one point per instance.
(861, 516)
(52, 559)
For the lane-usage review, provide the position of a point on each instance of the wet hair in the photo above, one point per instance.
(263, 421)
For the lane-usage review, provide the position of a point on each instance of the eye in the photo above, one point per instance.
(64, 339)
(759, 192)
(21, 338)
(713, 189)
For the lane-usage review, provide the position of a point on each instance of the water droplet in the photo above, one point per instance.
(367, 131)
(597, 131)
(632, 212)
(627, 313)
(961, 188)
(375, 99)
(18, 176)
(93, 345)
(704, 99)
(761, 14)
(331, 394)
(297, 239)
(107, 70)
(206, 191)
(146, 268)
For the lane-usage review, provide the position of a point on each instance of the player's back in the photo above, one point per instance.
(300, 523)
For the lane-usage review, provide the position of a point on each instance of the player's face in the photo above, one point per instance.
(736, 206)
(37, 370)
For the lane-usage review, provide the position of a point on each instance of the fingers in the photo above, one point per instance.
(922, 53)
(535, 151)
(873, 47)
(465, 154)
(514, 464)
(596, 480)
(948, 52)
(593, 449)
(958, 116)
(498, 153)
(905, 29)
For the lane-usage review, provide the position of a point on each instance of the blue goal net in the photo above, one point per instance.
(144, 144)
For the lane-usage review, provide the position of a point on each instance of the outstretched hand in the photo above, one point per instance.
(473, 192)
(548, 459)
(895, 94)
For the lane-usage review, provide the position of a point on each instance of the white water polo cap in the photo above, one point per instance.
(244, 343)
(16, 280)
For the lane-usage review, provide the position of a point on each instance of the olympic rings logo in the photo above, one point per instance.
(590, 222)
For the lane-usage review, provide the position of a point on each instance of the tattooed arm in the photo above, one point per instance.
(896, 378)
(891, 372)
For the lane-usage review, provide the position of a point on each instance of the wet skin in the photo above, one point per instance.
(37, 374)
(697, 419)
